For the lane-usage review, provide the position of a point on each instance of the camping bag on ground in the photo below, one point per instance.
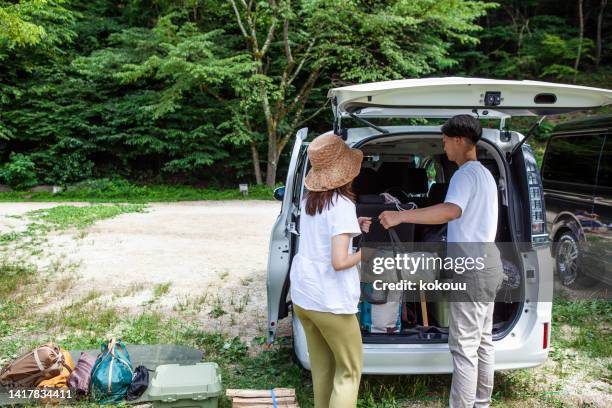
(81, 375)
(27, 371)
(60, 380)
(140, 383)
(112, 373)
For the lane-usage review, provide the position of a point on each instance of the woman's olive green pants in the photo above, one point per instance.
(336, 356)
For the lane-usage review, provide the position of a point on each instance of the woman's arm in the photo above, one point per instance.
(341, 259)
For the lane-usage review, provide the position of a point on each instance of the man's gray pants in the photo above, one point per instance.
(473, 353)
(470, 336)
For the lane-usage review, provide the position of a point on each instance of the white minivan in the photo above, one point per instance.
(409, 161)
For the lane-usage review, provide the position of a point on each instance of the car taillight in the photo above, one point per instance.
(539, 234)
(545, 340)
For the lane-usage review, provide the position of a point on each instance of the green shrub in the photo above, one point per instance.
(69, 168)
(19, 172)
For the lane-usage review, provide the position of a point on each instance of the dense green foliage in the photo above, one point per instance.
(209, 93)
(121, 191)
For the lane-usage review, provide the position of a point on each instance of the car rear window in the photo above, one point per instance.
(572, 159)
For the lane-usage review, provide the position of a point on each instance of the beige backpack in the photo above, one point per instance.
(42, 363)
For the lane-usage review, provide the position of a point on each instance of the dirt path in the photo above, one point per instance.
(204, 260)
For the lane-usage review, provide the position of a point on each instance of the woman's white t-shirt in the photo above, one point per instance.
(315, 284)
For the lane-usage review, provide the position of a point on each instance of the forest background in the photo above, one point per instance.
(209, 93)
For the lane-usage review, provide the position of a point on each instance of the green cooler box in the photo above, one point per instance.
(184, 386)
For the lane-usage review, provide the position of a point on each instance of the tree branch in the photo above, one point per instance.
(314, 115)
(269, 36)
(300, 102)
(286, 41)
(301, 64)
(305, 89)
(238, 18)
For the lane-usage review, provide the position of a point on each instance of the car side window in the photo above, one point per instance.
(604, 178)
(573, 159)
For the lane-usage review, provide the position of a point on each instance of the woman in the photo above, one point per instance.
(324, 279)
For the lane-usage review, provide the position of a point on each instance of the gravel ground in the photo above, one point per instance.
(203, 260)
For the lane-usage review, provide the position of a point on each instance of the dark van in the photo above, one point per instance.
(577, 180)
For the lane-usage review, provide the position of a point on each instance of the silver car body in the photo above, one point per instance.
(524, 343)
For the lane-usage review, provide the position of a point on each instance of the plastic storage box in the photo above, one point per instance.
(175, 385)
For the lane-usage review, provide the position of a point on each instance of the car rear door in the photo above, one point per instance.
(405, 98)
(284, 237)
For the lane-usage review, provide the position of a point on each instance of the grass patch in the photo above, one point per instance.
(121, 191)
(13, 276)
(161, 289)
(59, 218)
(590, 322)
(87, 322)
(218, 308)
(65, 216)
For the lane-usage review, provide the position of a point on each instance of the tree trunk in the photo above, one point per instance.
(256, 166)
(581, 36)
(272, 160)
(600, 17)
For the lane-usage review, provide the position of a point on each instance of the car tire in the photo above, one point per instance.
(568, 261)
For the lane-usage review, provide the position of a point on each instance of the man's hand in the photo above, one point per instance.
(390, 219)
(434, 215)
(364, 223)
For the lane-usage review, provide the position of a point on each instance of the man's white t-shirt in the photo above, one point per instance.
(473, 189)
(315, 284)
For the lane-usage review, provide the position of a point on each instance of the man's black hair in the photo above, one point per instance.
(463, 126)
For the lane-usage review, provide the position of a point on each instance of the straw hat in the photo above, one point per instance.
(334, 164)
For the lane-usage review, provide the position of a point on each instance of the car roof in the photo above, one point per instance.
(591, 122)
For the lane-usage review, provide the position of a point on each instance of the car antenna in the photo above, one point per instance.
(529, 133)
(373, 126)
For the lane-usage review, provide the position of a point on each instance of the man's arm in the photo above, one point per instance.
(436, 214)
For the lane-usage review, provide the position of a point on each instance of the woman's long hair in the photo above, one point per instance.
(316, 201)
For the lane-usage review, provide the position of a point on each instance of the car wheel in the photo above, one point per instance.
(568, 262)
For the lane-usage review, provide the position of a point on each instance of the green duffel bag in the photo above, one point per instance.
(112, 373)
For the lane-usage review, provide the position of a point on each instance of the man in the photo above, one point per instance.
(470, 209)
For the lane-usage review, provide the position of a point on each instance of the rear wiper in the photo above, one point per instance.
(529, 133)
(373, 126)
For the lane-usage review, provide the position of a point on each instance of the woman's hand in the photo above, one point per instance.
(364, 224)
